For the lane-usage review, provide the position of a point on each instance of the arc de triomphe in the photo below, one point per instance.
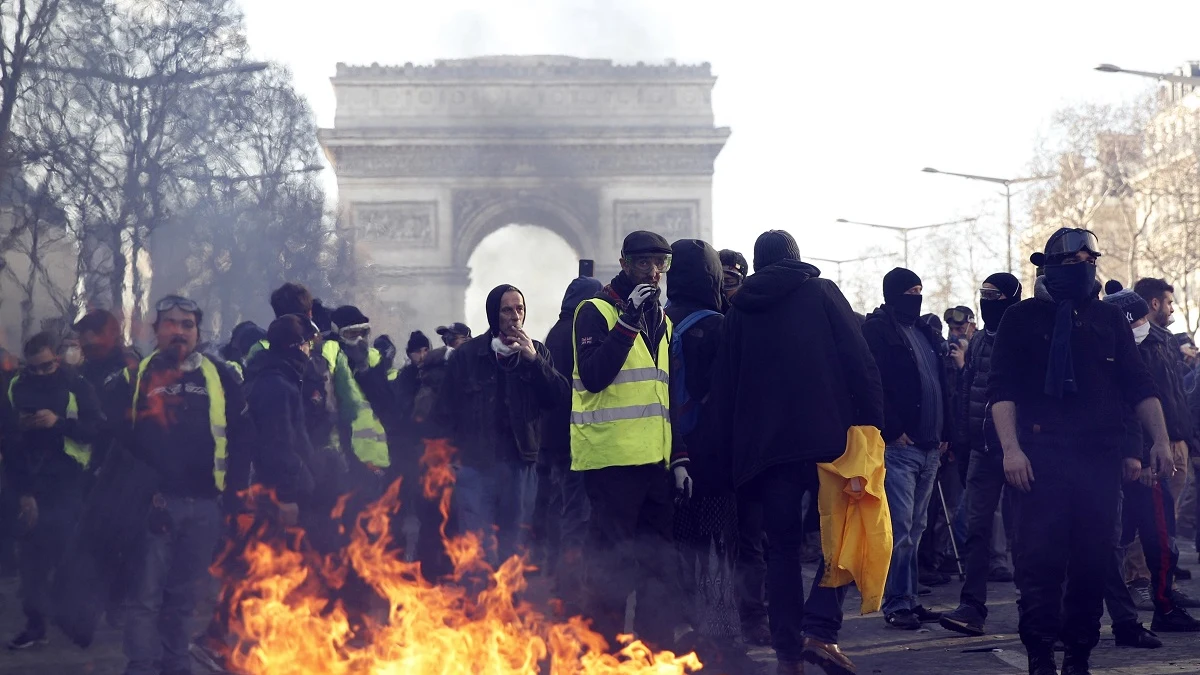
(432, 159)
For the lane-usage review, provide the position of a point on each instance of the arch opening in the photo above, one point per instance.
(532, 257)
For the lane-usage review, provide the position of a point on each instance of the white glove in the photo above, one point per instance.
(683, 485)
(640, 294)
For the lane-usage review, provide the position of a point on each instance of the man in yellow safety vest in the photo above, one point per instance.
(190, 424)
(50, 419)
(622, 440)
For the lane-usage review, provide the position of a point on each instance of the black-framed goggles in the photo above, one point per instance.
(172, 301)
(957, 316)
(1067, 243)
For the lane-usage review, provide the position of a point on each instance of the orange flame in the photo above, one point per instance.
(287, 622)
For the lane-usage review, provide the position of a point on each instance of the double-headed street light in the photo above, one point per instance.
(1007, 183)
(905, 230)
(839, 263)
(1166, 77)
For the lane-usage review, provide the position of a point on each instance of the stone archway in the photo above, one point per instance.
(431, 159)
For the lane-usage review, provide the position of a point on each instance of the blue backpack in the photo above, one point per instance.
(687, 410)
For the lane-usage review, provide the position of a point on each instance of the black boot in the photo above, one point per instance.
(1075, 661)
(1041, 662)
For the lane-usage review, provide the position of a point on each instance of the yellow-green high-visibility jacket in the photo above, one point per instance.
(216, 412)
(367, 437)
(80, 452)
(629, 422)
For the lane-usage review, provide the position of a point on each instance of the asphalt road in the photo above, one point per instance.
(875, 647)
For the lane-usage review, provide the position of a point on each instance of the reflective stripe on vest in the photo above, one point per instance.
(216, 413)
(629, 422)
(367, 437)
(80, 452)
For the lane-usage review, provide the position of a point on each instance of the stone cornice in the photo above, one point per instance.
(525, 68)
(553, 161)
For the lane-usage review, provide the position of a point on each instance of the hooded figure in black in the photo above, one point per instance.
(793, 374)
(985, 472)
(917, 425)
(567, 503)
(1064, 371)
(490, 408)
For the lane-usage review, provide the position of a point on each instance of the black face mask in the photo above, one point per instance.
(1070, 282)
(993, 311)
(906, 308)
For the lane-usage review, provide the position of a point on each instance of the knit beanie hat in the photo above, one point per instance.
(416, 342)
(1008, 284)
(349, 316)
(1130, 303)
(773, 246)
(897, 282)
(322, 317)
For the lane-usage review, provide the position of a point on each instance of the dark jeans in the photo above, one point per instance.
(985, 486)
(630, 548)
(780, 493)
(1150, 513)
(164, 593)
(569, 511)
(910, 481)
(1117, 598)
(40, 550)
(497, 503)
(1065, 530)
(751, 560)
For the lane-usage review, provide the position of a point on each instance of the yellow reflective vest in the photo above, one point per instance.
(80, 452)
(629, 422)
(367, 436)
(216, 412)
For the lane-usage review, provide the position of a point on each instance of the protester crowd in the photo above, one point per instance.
(694, 446)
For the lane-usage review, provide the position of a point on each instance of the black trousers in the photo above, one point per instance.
(630, 548)
(1065, 530)
(985, 486)
(1150, 512)
(40, 550)
(751, 561)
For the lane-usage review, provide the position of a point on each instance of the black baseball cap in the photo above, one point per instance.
(456, 328)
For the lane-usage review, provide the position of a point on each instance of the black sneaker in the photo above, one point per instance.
(1135, 635)
(1183, 574)
(1000, 575)
(1075, 662)
(757, 634)
(926, 616)
(28, 638)
(1140, 592)
(1181, 599)
(933, 578)
(903, 619)
(964, 619)
(1175, 621)
(924, 590)
(1042, 663)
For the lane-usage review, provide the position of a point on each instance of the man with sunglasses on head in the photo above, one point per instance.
(634, 466)
(1064, 369)
(50, 418)
(190, 424)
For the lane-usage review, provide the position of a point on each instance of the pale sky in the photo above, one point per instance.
(834, 106)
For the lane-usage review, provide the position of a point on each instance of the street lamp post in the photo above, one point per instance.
(1166, 77)
(905, 230)
(839, 263)
(1007, 183)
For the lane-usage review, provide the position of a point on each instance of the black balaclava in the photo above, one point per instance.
(993, 310)
(905, 308)
(492, 306)
(1070, 286)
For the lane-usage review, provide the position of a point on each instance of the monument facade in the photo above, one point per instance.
(432, 159)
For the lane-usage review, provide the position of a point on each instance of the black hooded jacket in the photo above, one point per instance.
(284, 453)
(556, 422)
(694, 285)
(1159, 352)
(490, 407)
(35, 462)
(793, 372)
(901, 380)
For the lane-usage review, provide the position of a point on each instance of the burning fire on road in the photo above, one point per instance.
(289, 621)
